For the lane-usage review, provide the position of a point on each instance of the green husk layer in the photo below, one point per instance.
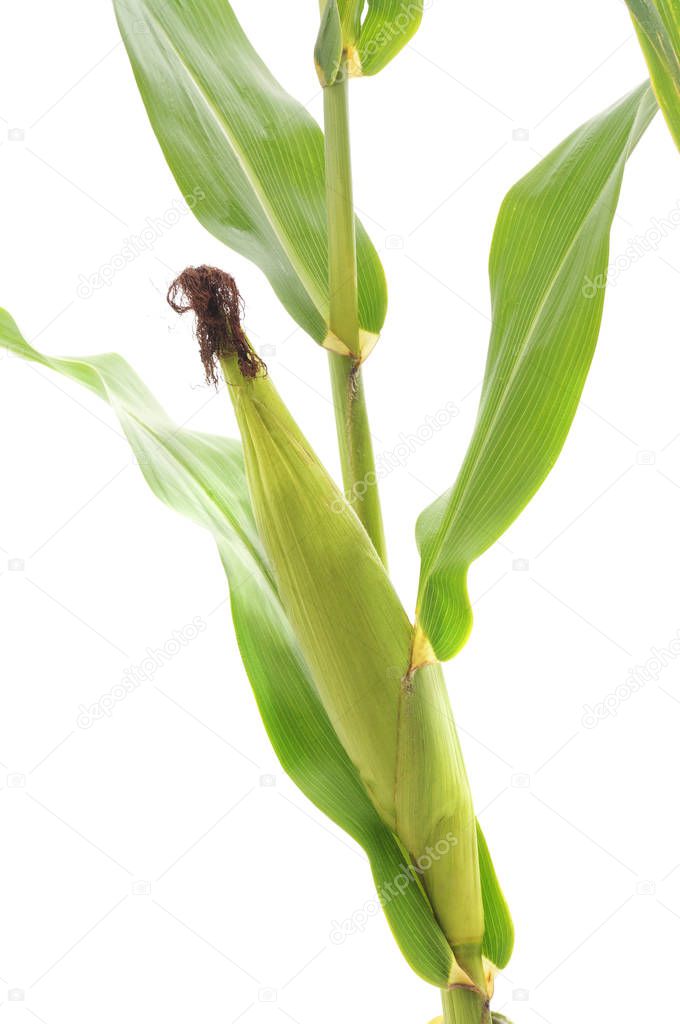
(395, 725)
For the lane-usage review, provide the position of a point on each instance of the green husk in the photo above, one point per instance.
(395, 724)
(435, 816)
(348, 619)
(328, 49)
(392, 719)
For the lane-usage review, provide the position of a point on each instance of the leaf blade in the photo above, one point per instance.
(388, 26)
(202, 477)
(657, 23)
(228, 129)
(499, 931)
(550, 246)
(350, 16)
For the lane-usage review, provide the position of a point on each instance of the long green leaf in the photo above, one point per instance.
(387, 28)
(202, 477)
(250, 156)
(657, 23)
(548, 272)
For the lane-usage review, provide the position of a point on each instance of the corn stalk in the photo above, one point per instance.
(430, 788)
(351, 415)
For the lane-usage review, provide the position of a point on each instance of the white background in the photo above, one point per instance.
(241, 880)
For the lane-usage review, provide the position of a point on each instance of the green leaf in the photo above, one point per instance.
(499, 931)
(329, 46)
(387, 28)
(249, 158)
(350, 16)
(202, 477)
(548, 274)
(657, 23)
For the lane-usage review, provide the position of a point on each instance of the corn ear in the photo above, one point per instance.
(395, 723)
(348, 619)
(396, 726)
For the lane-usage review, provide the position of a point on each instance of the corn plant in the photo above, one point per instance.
(351, 692)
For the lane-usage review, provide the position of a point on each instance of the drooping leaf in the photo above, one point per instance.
(250, 156)
(202, 477)
(387, 28)
(657, 23)
(548, 274)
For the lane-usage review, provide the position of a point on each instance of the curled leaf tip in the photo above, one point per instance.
(212, 295)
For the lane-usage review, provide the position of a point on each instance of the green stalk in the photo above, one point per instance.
(356, 449)
(465, 1006)
(351, 417)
